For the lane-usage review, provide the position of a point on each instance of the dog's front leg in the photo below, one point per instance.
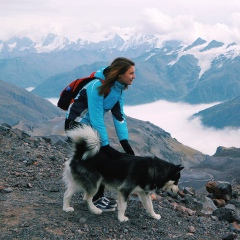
(147, 203)
(122, 205)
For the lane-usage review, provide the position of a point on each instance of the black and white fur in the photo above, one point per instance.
(89, 167)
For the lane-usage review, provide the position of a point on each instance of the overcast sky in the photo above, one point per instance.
(173, 19)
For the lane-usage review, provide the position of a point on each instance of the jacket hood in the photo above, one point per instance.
(99, 73)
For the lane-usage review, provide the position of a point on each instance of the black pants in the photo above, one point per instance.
(69, 124)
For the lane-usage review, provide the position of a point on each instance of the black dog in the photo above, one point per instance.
(89, 167)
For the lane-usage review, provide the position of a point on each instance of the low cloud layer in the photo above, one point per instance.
(173, 118)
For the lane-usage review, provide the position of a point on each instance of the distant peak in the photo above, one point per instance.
(197, 42)
(212, 44)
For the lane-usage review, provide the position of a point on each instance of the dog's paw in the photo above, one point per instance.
(68, 209)
(156, 216)
(123, 219)
(96, 211)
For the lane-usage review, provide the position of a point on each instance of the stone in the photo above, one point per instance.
(224, 214)
(191, 229)
(220, 190)
(208, 206)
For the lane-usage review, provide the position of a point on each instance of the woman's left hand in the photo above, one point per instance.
(126, 146)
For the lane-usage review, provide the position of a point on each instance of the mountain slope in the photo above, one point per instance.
(38, 117)
(17, 104)
(33, 69)
(219, 83)
(54, 85)
(148, 139)
(226, 114)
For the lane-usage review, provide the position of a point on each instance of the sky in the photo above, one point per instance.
(183, 20)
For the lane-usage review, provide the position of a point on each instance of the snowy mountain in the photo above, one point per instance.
(20, 46)
(202, 50)
(199, 72)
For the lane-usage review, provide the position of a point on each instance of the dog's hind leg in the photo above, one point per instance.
(122, 205)
(147, 203)
(88, 198)
(90, 190)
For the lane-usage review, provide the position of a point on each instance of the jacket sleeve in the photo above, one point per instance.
(96, 111)
(119, 120)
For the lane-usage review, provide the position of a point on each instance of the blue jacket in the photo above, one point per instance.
(89, 107)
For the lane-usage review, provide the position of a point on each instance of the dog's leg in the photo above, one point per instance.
(88, 198)
(122, 205)
(66, 199)
(147, 203)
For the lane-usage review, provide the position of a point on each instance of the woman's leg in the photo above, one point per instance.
(99, 194)
(69, 124)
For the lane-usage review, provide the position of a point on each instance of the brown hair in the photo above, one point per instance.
(118, 66)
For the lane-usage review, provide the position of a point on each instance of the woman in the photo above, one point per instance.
(97, 98)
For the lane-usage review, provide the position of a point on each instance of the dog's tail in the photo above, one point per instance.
(86, 140)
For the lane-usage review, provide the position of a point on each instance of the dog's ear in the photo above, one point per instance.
(179, 168)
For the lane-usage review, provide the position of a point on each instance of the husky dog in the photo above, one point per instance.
(89, 167)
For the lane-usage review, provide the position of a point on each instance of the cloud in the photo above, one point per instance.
(235, 20)
(155, 21)
(186, 27)
(174, 118)
(184, 20)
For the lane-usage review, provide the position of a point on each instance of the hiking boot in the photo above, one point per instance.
(103, 205)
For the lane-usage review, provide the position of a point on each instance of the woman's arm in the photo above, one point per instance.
(96, 111)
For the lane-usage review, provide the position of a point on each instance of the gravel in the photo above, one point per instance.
(31, 193)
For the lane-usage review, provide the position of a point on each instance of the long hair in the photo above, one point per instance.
(118, 66)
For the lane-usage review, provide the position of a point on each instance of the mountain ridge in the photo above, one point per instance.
(17, 104)
(174, 71)
(222, 115)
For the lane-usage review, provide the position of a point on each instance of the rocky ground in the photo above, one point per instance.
(31, 192)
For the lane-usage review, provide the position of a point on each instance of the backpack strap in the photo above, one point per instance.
(92, 75)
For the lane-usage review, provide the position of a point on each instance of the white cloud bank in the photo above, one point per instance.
(173, 118)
